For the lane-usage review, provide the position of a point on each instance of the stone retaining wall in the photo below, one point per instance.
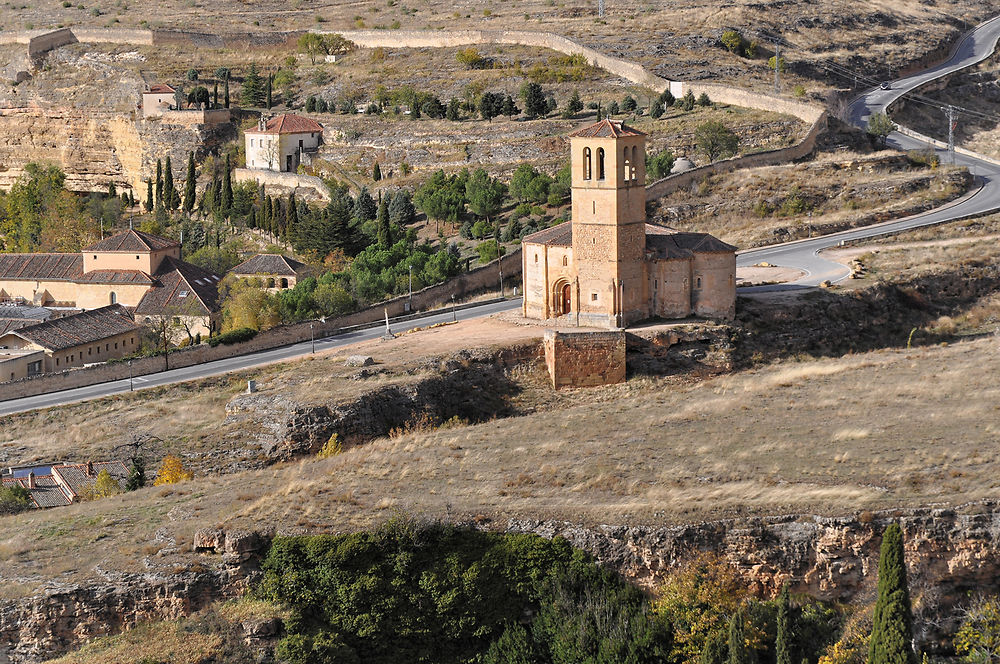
(465, 284)
(286, 181)
(672, 183)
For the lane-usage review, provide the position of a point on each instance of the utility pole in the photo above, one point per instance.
(949, 110)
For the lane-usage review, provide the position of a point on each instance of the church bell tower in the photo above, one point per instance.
(609, 223)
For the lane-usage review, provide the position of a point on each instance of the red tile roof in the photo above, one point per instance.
(159, 89)
(46, 492)
(289, 123)
(269, 264)
(606, 129)
(85, 327)
(75, 478)
(114, 277)
(41, 267)
(557, 236)
(131, 241)
(180, 289)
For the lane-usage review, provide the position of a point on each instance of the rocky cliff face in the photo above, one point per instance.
(949, 553)
(95, 149)
(64, 617)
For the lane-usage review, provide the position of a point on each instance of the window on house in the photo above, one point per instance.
(595, 206)
(57, 361)
(635, 161)
(565, 261)
(137, 256)
(587, 167)
(107, 347)
(593, 297)
(600, 163)
(183, 293)
(95, 257)
(116, 345)
(34, 368)
(88, 351)
(536, 258)
(698, 282)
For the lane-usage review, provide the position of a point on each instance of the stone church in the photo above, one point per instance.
(608, 267)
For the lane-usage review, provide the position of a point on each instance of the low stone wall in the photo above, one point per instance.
(224, 39)
(287, 181)
(50, 40)
(672, 183)
(464, 284)
(190, 118)
(112, 36)
(584, 359)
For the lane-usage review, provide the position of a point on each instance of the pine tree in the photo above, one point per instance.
(364, 208)
(401, 211)
(382, 224)
(227, 189)
(739, 651)
(252, 92)
(168, 184)
(159, 182)
(785, 645)
(226, 92)
(892, 622)
(149, 195)
(377, 172)
(189, 184)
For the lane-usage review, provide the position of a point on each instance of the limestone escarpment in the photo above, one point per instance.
(949, 553)
(95, 149)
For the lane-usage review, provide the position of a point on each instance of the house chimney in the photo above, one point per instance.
(90, 469)
(31, 480)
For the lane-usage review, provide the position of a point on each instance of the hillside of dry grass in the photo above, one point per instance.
(678, 40)
(836, 191)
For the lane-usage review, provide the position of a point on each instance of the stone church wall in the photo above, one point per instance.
(584, 359)
(716, 296)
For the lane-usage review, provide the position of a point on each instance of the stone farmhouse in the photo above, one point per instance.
(64, 484)
(607, 267)
(157, 99)
(275, 271)
(143, 272)
(280, 144)
(72, 341)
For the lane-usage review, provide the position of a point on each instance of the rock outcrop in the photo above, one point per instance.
(949, 553)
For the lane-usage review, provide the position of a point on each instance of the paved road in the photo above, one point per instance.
(976, 46)
(243, 361)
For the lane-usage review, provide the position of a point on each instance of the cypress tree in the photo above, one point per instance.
(159, 181)
(227, 188)
(269, 80)
(131, 198)
(226, 93)
(168, 184)
(714, 651)
(376, 172)
(292, 217)
(892, 623)
(189, 184)
(252, 218)
(785, 645)
(215, 95)
(739, 652)
(382, 223)
(149, 195)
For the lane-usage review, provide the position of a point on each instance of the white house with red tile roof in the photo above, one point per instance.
(279, 143)
(157, 99)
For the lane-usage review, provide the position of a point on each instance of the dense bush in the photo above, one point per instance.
(440, 594)
(236, 336)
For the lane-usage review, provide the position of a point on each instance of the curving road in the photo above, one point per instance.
(975, 46)
(244, 361)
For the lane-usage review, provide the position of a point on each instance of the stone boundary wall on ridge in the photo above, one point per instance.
(292, 181)
(672, 183)
(50, 40)
(196, 117)
(428, 298)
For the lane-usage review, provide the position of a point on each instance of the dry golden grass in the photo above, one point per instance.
(870, 431)
(747, 207)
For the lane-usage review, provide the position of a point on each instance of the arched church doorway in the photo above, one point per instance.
(565, 299)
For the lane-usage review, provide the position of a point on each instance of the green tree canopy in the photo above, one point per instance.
(892, 624)
(716, 140)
